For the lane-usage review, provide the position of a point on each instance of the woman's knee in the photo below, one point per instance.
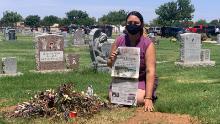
(140, 96)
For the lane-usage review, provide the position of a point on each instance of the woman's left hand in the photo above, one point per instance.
(148, 105)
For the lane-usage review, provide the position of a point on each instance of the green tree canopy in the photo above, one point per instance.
(50, 20)
(32, 21)
(175, 13)
(64, 22)
(10, 18)
(114, 18)
(215, 22)
(79, 17)
(201, 22)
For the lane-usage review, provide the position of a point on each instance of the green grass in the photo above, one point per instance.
(193, 91)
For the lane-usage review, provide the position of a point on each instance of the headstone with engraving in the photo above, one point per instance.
(78, 38)
(72, 61)
(205, 55)
(49, 52)
(9, 65)
(191, 47)
(191, 53)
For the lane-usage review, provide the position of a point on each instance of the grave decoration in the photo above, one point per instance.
(60, 103)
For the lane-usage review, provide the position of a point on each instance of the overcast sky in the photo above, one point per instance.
(204, 9)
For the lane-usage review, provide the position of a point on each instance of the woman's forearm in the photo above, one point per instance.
(149, 84)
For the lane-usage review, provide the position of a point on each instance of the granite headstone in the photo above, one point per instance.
(49, 52)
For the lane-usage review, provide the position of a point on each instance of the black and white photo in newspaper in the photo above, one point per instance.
(127, 63)
(124, 91)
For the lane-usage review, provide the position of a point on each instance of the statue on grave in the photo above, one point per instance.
(100, 57)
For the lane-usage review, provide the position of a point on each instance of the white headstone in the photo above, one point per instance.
(79, 37)
(191, 53)
(218, 38)
(190, 47)
(9, 65)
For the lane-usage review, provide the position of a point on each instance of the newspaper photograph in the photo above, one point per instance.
(127, 63)
(124, 91)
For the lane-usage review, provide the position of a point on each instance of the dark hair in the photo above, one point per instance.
(136, 13)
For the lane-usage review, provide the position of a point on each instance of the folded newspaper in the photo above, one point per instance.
(127, 63)
(125, 73)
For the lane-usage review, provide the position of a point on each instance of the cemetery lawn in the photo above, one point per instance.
(194, 91)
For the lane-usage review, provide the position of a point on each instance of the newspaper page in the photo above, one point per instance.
(127, 63)
(124, 91)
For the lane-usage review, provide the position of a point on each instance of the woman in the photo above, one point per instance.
(135, 38)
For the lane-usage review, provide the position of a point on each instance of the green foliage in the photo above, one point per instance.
(50, 20)
(79, 17)
(215, 22)
(64, 22)
(32, 21)
(201, 22)
(175, 13)
(10, 18)
(167, 13)
(185, 10)
(114, 18)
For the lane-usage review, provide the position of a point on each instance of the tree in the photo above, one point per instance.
(185, 10)
(175, 13)
(215, 22)
(10, 18)
(114, 18)
(64, 22)
(167, 13)
(154, 22)
(79, 17)
(50, 20)
(32, 21)
(201, 22)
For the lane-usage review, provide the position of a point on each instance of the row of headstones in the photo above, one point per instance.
(49, 54)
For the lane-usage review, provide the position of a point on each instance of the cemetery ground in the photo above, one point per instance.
(192, 91)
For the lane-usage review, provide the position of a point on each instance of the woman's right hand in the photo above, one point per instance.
(113, 56)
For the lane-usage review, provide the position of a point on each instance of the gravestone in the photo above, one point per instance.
(78, 38)
(64, 33)
(9, 65)
(10, 34)
(205, 55)
(49, 52)
(191, 53)
(218, 38)
(191, 47)
(72, 61)
(36, 33)
(27, 32)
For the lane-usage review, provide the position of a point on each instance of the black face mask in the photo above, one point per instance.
(133, 29)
